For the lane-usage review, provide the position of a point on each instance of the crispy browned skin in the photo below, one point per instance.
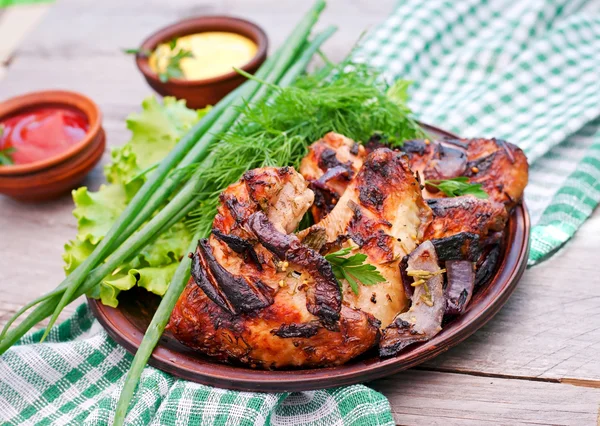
(381, 214)
(499, 166)
(260, 297)
(329, 166)
(281, 335)
(465, 214)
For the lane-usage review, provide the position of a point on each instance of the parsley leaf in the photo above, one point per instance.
(458, 186)
(5, 157)
(173, 69)
(353, 269)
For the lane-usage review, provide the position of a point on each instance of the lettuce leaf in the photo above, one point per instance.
(154, 132)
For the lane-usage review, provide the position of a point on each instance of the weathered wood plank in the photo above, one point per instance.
(431, 398)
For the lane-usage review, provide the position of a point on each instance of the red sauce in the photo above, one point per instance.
(42, 133)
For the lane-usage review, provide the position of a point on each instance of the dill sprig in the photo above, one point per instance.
(353, 102)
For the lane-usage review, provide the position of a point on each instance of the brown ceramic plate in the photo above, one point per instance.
(127, 323)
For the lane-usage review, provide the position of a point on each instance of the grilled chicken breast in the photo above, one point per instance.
(381, 214)
(259, 296)
(500, 167)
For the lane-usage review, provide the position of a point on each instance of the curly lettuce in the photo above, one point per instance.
(154, 132)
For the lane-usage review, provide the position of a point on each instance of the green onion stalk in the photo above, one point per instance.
(145, 204)
(196, 154)
(181, 277)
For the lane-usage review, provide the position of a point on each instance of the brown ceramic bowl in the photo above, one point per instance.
(56, 175)
(199, 93)
(128, 322)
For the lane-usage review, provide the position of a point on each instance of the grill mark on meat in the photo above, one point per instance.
(294, 330)
(324, 300)
(372, 196)
(240, 246)
(461, 246)
(201, 279)
(480, 164)
(365, 233)
(234, 207)
(405, 334)
(235, 294)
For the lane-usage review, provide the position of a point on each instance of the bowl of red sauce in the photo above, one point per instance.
(49, 141)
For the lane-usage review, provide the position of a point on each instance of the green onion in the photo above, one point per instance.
(152, 194)
(153, 334)
(181, 277)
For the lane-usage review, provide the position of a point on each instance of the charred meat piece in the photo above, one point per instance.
(460, 223)
(500, 167)
(234, 293)
(329, 166)
(257, 295)
(382, 214)
(465, 214)
(284, 335)
(323, 298)
(424, 318)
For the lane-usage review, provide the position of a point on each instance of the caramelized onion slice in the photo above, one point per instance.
(424, 318)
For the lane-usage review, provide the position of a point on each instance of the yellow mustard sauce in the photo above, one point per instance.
(214, 54)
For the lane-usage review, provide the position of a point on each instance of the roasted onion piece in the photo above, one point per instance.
(424, 318)
(459, 288)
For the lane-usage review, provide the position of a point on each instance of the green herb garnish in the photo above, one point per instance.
(353, 269)
(352, 102)
(398, 92)
(173, 68)
(458, 186)
(5, 156)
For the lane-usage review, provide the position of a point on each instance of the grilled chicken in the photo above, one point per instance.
(383, 215)
(259, 296)
(500, 167)
(465, 231)
(329, 166)
(266, 297)
(460, 224)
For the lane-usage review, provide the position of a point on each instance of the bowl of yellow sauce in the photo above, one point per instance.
(195, 59)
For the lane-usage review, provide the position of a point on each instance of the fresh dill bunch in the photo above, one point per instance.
(352, 101)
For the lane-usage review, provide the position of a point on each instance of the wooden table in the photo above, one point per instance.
(536, 362)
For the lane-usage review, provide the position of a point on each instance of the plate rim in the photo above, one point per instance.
(215, 373)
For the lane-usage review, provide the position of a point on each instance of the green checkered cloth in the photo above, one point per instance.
(527, 71)
(76, 377)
